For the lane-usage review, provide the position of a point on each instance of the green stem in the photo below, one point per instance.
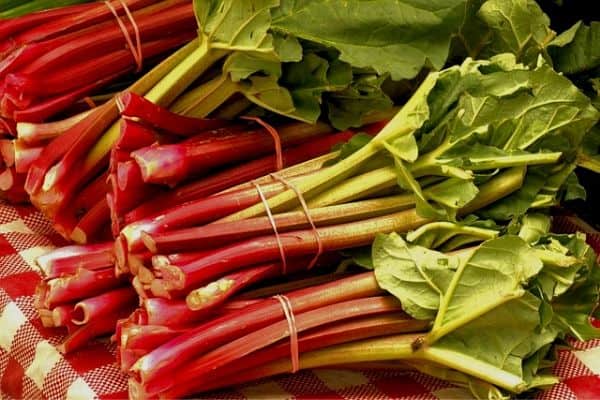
(355, 187)
(206, 98)
(588, 162)
(504, 184)
(393, 348)
(554, 259)
(232, 110)
(474, 367)
(515, 160)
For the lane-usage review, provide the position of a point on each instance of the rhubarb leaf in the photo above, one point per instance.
(308, 79)
(240, 25)
(589, 154)
(360, 256)
(495, 338)
(567, 255)
(493, 275)
(406, 181)
(533, 227)
(450, 235)
(574, 306)
(266, 92)
(519, 27)
(577, 49)
(398, 37)
(346, 108)
(355, 143)
(417, 276)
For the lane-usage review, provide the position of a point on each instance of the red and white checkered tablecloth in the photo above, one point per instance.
(31, 367)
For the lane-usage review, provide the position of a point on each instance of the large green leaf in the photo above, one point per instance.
(308, 79)
(346, 108)
(496, 337)
(417, 276)
(398, 37)
(577, 49)
(516, 26)
(241, 25)
(493, 275)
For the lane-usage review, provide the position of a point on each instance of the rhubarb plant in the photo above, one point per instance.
(496, 306)
(461, 127)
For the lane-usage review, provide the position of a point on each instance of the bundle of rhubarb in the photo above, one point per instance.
(272, 62)
(490, 139)
(484, 318)
(57, 64)
(80, 292)
(448, 153)
(69, 53)
(219, 170)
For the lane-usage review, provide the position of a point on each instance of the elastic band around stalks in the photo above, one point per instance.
(274, 226)
(286, 305)
(308, 217)
(136, 51)
(276, 138)
(119, 103)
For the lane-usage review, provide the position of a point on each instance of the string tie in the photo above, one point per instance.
(286, 305)
(308, 217)
(276, 139)
(136, 50)
(274, 226)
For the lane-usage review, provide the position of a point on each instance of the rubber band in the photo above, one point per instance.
(308, 217)
(119, 103)
(274, 226)
(286, 305)
(136, 51)
(276, 138)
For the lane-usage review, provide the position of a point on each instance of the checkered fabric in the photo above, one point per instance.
(31, 367)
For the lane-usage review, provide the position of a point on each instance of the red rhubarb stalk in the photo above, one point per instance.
(159, 117)
(271, 334)
(96, 328)
(176, 313)
(50, 106)
(221, 330)
(36, 133)
(218, 291)
(223, 233)
(83, 284)
(245, 172)
(295, 244)
(104, 304)
(170, 164)
(196, 212)
(7, 151)
(92, 223)
(342, 332)
(69, 22)
(68, 260)
(25, 156)
(12, 26)
(57, 317)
